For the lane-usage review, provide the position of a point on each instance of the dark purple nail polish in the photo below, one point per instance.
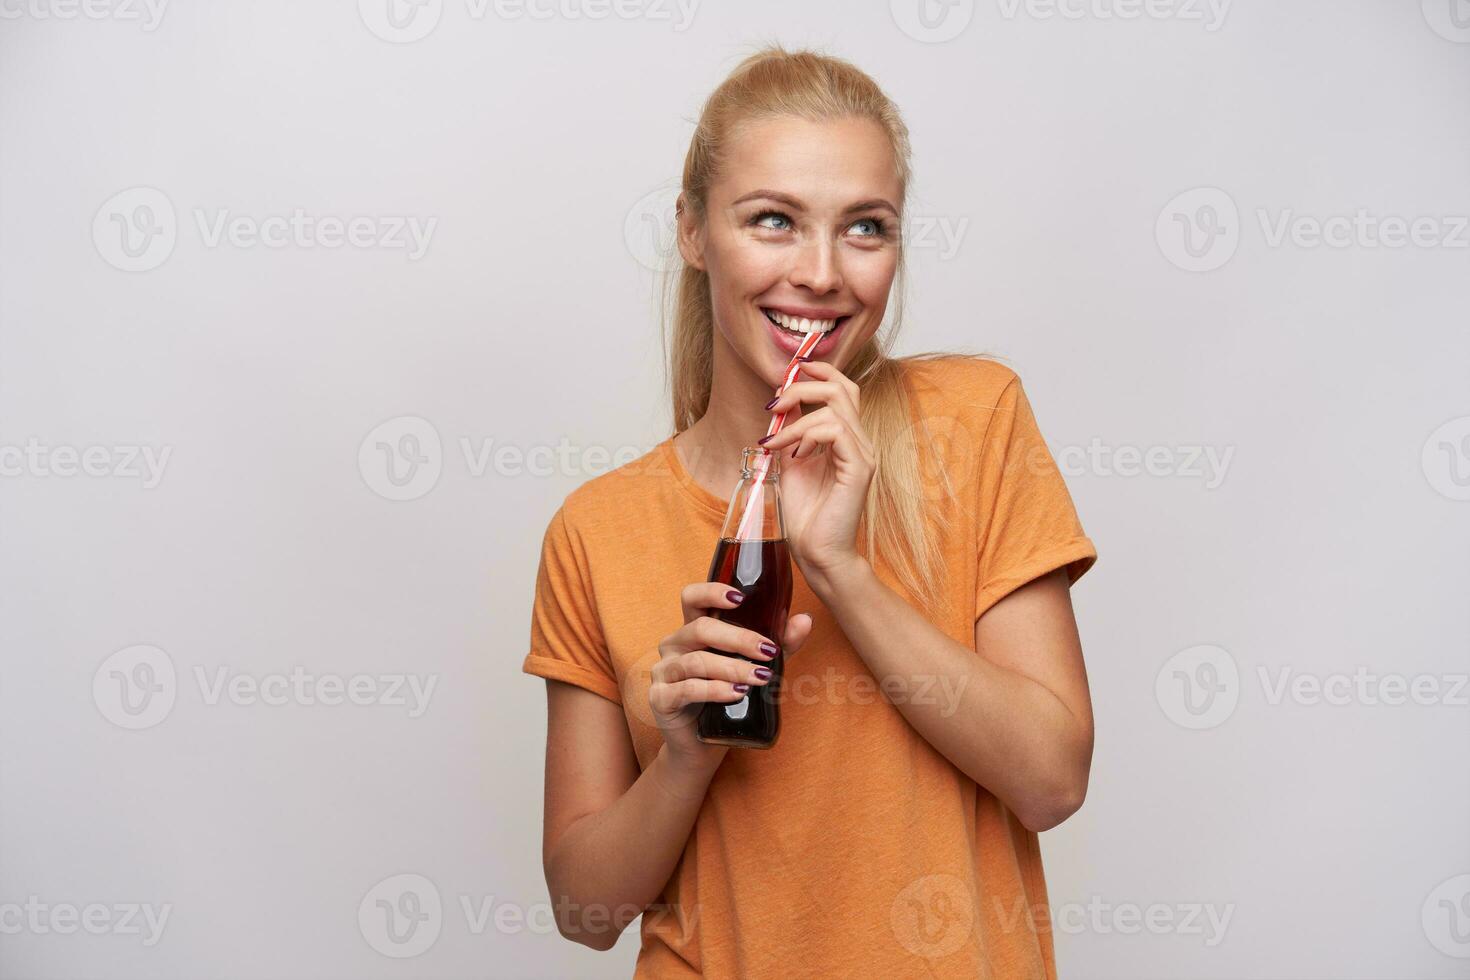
(809, 357)
(764, 439)
(770, 649)
(772, 402)
(734, 596)
(741, 688)
(764, 673)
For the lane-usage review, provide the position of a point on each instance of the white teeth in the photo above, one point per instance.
(800, 324)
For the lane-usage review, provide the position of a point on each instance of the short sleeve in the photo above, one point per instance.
(1028, 525)
(566, 638)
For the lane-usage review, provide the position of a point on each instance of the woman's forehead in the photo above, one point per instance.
(824, 165)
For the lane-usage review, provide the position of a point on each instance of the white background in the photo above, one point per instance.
(1052, 145)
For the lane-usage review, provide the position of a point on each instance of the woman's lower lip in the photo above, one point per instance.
(790, 342)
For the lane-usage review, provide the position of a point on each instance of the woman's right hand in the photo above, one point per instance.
(689, 673)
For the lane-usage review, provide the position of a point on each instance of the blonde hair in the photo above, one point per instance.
(817, 87)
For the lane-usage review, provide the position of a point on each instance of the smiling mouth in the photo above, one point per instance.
(800, 326)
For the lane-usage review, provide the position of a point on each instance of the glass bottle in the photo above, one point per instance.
(752, 557)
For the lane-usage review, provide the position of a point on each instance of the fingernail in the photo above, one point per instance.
(764, 673)
(769, 649)
(764, 439)
(809, 357)
(734, 596)
(742, 688)
(773, 401)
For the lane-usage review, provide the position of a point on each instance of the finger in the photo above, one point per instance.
(792, 432)
(798, 631)
(708, 633)
(712, 666)
(826, 371)
(826, 434)
(825, 393)
(696, 599)
(669, 698)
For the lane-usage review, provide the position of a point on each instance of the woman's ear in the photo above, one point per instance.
(689, 234)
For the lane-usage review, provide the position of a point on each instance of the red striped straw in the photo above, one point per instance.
(757, 492)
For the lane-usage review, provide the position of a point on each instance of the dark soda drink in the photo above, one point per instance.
(761, 570)
(751, 556)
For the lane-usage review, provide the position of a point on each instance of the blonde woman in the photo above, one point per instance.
(935, 708)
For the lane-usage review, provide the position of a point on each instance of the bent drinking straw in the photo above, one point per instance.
(757, 491)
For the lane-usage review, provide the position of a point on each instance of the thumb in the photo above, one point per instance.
(798, 630)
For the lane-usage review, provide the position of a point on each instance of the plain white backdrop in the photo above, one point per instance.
(313, 313)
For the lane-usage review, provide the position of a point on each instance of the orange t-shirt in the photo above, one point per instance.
(852, 847)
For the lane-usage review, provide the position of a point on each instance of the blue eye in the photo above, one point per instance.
(760, 219)
(879, 228)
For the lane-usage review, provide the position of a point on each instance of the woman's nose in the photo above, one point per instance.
(817, 267)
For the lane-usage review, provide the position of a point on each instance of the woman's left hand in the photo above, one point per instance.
(825, 480)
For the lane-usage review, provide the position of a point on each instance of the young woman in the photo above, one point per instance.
(935, 709)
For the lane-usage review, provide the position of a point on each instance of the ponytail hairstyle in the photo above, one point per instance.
(899, 520)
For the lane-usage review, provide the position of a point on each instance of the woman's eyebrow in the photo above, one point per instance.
(791, 202)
